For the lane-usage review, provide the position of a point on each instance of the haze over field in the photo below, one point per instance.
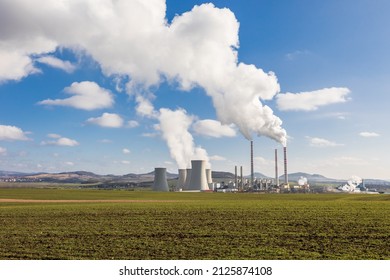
(124, 86)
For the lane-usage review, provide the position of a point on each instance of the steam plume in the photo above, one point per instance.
(174, 127)
(132, 39)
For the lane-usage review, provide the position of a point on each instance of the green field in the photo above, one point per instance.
(193, 225)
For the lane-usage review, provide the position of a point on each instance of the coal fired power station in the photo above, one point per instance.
(198, 178)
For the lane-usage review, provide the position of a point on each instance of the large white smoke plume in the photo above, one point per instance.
(174, 126)
(132, 39)
(352, 184)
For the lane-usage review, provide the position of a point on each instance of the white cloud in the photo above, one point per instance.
(150, 134)
(107, 120)
(57, 63)
(213, 128)
(125, 162)
(125, 151)
(198, 48)
(69, 163)
(297, 54)
(3, 151)
(337, 115)
(321, 143)
(369, 134)
(12, 133)
(344, 161)
(217, 158)
(145, 108)
(60, 141)
(310, 101)
(262, 161)
(15, 65)
(54, 135)
(86, 96)
(341, 117)
(132, 124)
(63, 141)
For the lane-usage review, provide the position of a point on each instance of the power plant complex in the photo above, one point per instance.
(199, 178)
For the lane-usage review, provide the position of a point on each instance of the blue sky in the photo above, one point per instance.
(121, 87)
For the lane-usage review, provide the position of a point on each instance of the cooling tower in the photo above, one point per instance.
(182, 179)
(208, 176)
(285, 166)
(209, 179)
(276, 168)
(198, 179)
(160, 180)
(188, 179)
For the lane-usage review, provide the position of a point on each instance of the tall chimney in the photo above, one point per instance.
(242, 178)
(276, 168)
(252, 173)
(285, 165)
(160, 180)
(198, 176)
(182, 179)
(235, 176)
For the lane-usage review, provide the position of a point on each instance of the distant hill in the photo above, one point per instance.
(309, 177)
(168, 174)
(257, 175)
(294, 176)
(11, 173)
(65, 177)
(222, 175)
(90, 177)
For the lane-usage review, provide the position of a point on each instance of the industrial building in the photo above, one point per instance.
(198, 178)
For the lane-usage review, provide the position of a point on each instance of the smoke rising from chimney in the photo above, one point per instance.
(150, 51)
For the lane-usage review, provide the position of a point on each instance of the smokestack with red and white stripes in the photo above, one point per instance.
(285, 165)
